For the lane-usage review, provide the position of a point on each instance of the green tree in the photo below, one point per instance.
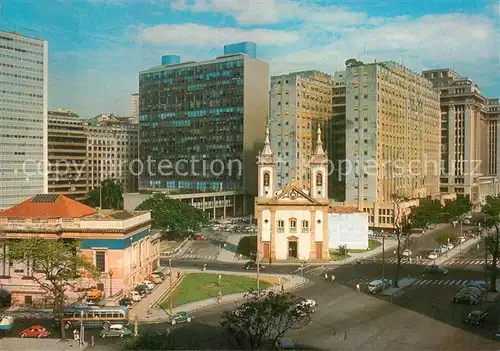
(112, 195)
(426, 213)
(446, 238)
(454, 209)
(491, 220)
(57, 264)
(265, 316)
(175, 218)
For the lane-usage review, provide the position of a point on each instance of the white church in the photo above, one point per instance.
(294, 223)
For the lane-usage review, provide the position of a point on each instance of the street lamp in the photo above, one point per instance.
(220, 287)
(110, 282)
(171, 291)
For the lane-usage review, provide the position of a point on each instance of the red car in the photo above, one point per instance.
(200, 236)
(35, 331)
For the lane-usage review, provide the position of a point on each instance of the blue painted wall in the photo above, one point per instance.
(113, 244)
(246, 47)
(170, 59)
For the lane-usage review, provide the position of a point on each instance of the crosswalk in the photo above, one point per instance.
(466, 262)
(405, 261)
(418, 283)
(196, 257)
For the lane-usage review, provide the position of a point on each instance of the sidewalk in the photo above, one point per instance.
(228, 251)
(456, 250)
(16, 344)
(291, 283)
(140, 309)
(388, 246)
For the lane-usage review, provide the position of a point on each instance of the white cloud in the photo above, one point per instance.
(191, 34)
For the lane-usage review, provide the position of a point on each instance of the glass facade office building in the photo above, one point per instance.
(23, 118)
(201, 124)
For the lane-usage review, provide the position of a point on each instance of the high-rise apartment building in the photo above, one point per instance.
(67, 154)
(392, 137)
(23, 118)
(135, 107)
(298, 102)
(202, 123)
(469, 144)
(112, 148)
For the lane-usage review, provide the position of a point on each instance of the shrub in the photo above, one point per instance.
(247, 246)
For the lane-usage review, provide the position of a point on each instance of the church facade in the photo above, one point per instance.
(292, 222)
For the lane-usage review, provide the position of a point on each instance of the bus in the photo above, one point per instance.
(93, 316)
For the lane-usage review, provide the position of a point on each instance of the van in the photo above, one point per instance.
(94, 294)
(285, 344)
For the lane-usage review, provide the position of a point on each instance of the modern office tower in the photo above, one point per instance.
(298, 102)
(67, 154)
(135, 107)
(23, 118)
(204, 121)
(469, 123)
(392, 136)
(112, 147)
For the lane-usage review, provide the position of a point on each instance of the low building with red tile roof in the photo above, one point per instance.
(115, 241)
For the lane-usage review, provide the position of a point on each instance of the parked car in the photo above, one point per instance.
(126, 301)
(199, 237)
(435, 269)
(155, 279)
(473, 290)
(253, 265)
(115, 330)
(94, 295)
(284, 344)
(497, 331)
(476, 317)
(407, 253)
(149, 284)
(379, 285)
(162, 274)
(450, 246)
(465, 298)
(35, 331)
(306, 304)
(443, 249)
(181, 317)
(142, 289)
(135, 296)
(479, 286)
(462, 239)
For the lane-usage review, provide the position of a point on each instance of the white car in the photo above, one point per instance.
(307, 302)
(150, 285)
(135, 296)
(407, 253)
(433, 255)
(450, 246)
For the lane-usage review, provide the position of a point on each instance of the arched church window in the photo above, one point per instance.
(266, 179)
(319, 179)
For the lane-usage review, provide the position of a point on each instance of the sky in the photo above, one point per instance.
(98, 47)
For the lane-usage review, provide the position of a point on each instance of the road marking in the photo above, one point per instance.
(440, 282)
(458, 282)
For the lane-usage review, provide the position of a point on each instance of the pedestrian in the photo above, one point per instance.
(333, 278)
(357, 287)
(345, 336)
(76, 335)
(282, 288)
(326, 276)
(279, 280)
(477, 247)
(410, 260)
(178, 275)
(150, 307)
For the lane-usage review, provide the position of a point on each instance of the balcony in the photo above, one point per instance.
(304, 230)
(281, 230)
(293, 230)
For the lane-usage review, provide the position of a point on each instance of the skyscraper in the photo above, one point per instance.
(204, 121)
(391, 135)
(298, 102)
(135, 107)
(23, 118)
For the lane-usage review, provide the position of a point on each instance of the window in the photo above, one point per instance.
(28, 300)
(100, 260)
(293, 224)
(319, 179)
(266, 178)
(305, 224)
(281, 223)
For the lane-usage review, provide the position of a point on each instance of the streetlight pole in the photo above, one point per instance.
(220, 287)
(80, 341)
(110, 282)
(270, 244)
(171, 291)
(258, 269)
(383, 255)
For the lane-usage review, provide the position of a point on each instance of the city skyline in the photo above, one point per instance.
(90, 55)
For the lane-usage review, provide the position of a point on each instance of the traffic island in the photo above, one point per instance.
(206, 286)
(402, 284)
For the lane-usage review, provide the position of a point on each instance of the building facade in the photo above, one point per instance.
(201, 123)
(298, 102)
(135, 107)
(120, 244)
(392, 137)
(23, 117)
(67, 154)
(112, 147)
(292, 222)
(469, 123)
(347, 226)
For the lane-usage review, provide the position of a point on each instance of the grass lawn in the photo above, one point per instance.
(201, 286)
(336, 256)
(373, 244)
